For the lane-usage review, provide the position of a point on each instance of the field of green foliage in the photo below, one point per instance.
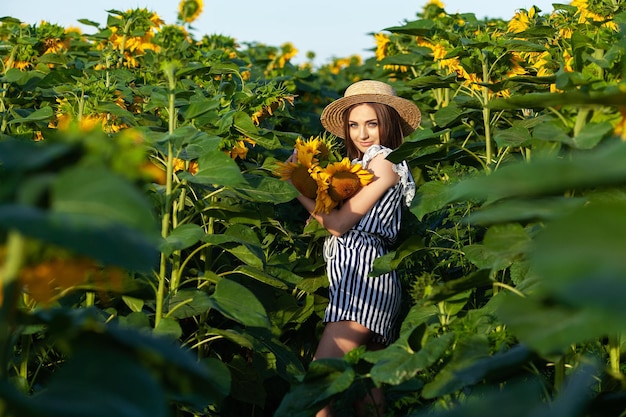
(154, 265)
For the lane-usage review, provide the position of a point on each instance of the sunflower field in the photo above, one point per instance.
(154, 263)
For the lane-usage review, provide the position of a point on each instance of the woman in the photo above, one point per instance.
(362, 310)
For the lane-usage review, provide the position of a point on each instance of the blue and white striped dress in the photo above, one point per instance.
(373, 302)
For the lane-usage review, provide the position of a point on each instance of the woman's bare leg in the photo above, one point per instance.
(338, 339)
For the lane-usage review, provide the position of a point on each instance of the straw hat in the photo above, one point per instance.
(370, 91)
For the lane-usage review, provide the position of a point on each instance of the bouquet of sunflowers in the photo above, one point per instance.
(320, 175)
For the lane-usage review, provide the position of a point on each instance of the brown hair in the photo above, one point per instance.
(389, 128)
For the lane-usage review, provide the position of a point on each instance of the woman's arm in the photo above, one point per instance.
(339, 221)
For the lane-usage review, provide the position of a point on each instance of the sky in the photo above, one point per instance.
(329, 28)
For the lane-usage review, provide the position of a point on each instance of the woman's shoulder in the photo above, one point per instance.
(400, 170)
(373, 151)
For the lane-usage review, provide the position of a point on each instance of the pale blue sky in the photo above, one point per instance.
(330, 28)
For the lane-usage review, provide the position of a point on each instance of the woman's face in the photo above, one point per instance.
(363, 124)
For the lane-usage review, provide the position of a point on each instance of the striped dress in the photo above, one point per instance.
(373, 302)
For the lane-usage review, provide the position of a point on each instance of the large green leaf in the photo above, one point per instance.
(325, 379)
(524, 210)
(188, 303)
(109, 242)
(266, 189)
(608, 96)
(18, 155)
(40, 115)
(182, 237)
(176, 372)
(580, 257)
(390, 262)
(501, 246)
(114, 384)
(217, 169)
(238, 303)
(546, 176)
(551, 328)
(98, 193)
(398, 363)
(249, 252)
(479, 369)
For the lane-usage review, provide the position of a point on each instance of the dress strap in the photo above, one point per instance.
(330, 247)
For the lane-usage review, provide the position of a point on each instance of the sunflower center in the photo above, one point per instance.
(343, 185)
(303, 182)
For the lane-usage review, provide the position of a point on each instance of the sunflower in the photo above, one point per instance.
(189, 10)
(338, 182)
(313, 155)
(521, 21)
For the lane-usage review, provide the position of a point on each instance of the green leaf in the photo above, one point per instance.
(93, 191)
(522, 210)
(431, 196)
(397, 363)
(108, 242)
(325, 378)
(182, 237)
(433, 81)
(265, 189)
(497, 367)
(502, 245)
(552, 132)
(591, 134)
(198, 105)
(84, 386)
(390, 262)
(419, 144)
(608, 96)
(215, 168)
(417, 27)
(581, 258)
(288, 365)
(467, 351)
(514, 136)
(188, 303)
(519, 45)
(168, 327)
(450, 289)
(40, 115)
(447, 115)
(248, 252)
(261, 276)
(544, 176)
(550, 328)
(16, 155)
(237, 303)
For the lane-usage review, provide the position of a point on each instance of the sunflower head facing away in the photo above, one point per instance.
(299, 176)
(189, 10)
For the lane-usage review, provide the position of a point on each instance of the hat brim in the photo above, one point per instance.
(333, 114)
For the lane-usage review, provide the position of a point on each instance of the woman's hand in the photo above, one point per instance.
(293, 157)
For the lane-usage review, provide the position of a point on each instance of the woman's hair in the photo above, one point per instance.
(389, 128)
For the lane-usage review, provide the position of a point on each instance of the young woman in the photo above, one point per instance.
(362, 310)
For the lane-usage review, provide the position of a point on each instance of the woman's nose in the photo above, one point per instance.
(363, 133)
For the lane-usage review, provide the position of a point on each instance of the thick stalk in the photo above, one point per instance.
(581, 120)
(614, 354)
(167, 209)
(9, 275)
(487, 116)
